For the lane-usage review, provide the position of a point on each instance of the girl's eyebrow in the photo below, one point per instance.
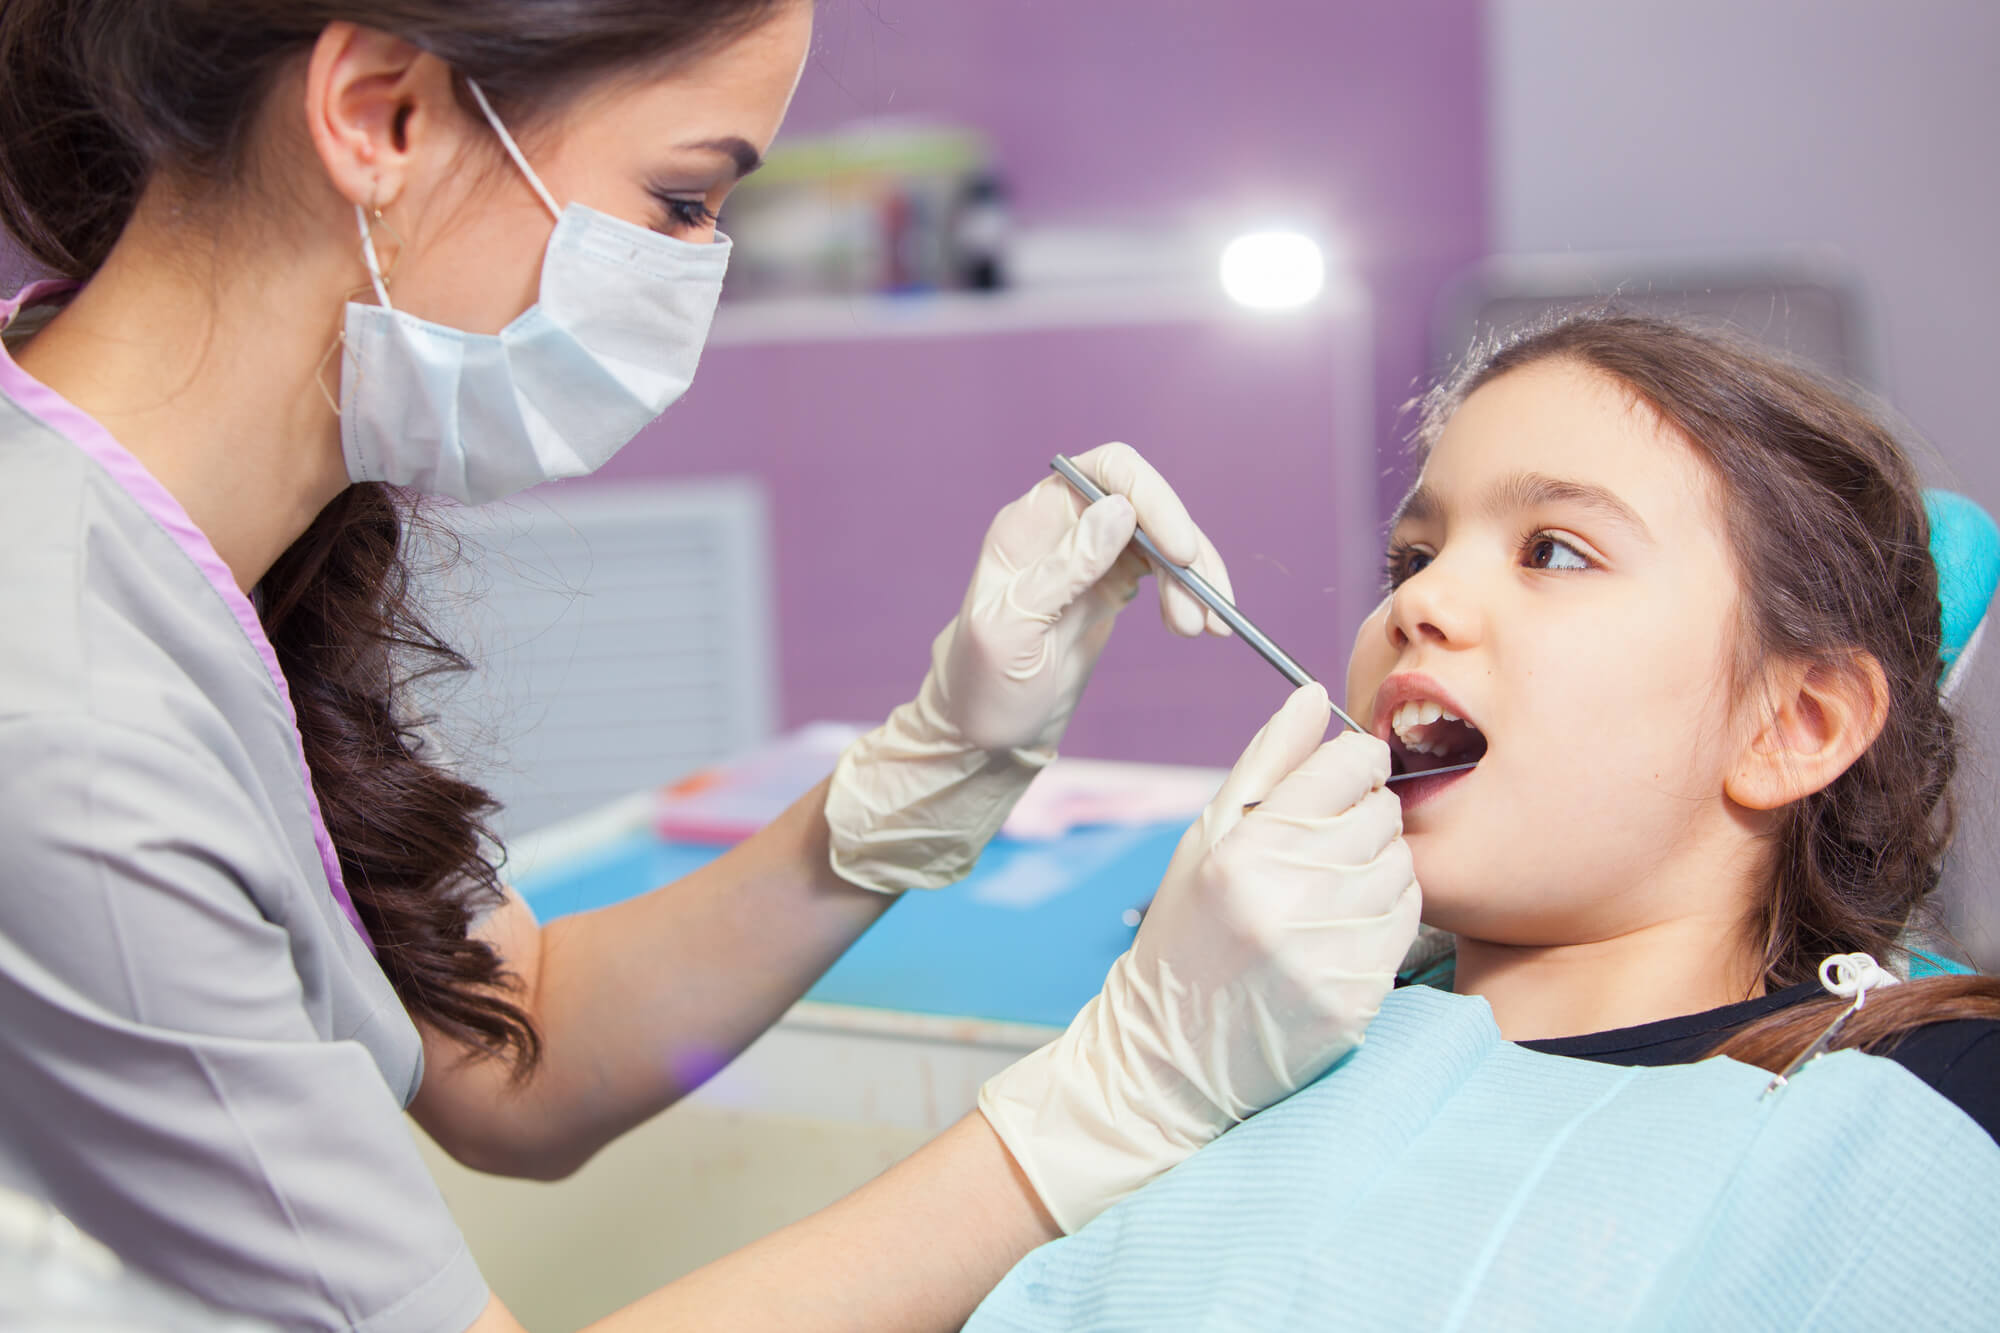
(1528, 490)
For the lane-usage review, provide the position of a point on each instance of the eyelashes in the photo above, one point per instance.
(1548, 551)
(683, 213)
(1538, 550)
(1401, 563)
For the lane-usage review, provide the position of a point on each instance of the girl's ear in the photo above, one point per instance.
(1818, 719)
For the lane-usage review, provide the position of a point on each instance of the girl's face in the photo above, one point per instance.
(1561, 581)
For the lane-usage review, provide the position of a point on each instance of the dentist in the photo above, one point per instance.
(316, 258)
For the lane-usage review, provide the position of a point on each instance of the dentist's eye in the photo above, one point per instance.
(1403, 563)
(1547, 551)
(683, 213)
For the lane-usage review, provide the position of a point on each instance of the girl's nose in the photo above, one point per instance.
(1433, 605)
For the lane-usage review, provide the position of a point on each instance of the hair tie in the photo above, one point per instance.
(1849, 976)
(1852, 975)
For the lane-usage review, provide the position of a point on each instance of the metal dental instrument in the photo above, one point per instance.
(1287, 665)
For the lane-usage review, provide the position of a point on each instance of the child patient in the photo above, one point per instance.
(1677, 598)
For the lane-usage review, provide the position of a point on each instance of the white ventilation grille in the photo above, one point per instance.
(621, 636)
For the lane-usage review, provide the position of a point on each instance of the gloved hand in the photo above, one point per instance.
(1267, 951)
(915, 801)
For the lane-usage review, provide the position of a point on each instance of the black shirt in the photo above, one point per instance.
(1960, 1058)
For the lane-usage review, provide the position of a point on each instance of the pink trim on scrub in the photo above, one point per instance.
(70, 421)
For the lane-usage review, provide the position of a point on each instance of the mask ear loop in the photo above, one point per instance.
(514, 150)
(366, 220)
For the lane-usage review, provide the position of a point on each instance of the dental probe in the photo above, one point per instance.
(1287, 665)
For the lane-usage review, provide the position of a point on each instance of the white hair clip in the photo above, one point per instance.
(1849, 976)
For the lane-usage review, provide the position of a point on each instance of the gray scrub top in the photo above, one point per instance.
(200, 1061)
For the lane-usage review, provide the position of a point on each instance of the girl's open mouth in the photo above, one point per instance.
(1425, 736)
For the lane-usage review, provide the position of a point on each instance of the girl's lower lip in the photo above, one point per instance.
(1416, 791)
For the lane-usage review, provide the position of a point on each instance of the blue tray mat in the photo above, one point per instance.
(1025, 939)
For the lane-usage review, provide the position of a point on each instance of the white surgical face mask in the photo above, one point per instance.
(611, 342)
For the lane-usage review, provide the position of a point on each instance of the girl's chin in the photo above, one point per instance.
(1460, 893)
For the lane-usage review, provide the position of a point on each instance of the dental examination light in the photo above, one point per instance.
(1273, 270)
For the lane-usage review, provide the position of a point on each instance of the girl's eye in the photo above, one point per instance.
(685, 214)
(1403, 563)
(1549, 552)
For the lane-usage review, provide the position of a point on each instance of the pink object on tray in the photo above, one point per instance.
(727, 802)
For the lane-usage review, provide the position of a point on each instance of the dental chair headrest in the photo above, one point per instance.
(1965, 545)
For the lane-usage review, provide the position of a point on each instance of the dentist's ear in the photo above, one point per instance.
(1817, 719)
(372, 103)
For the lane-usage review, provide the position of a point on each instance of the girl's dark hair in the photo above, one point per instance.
(98, 98)
(1826, 518)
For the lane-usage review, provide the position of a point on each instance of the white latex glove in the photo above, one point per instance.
(1270, 945)
(915, 801)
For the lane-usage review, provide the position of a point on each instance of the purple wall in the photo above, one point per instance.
(1368, 116)
(886, 460)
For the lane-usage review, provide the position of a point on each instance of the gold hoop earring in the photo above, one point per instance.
(339, 344)
(387, 270)
(388, 265)
(379, 277)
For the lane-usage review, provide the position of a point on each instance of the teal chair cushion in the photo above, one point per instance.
(1966, 546)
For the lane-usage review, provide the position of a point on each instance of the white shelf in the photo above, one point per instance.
(1015, 310)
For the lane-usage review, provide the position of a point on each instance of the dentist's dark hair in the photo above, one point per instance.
(1826, 519)
(100, 99)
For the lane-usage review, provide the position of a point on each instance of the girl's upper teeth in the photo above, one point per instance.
(1417, 713)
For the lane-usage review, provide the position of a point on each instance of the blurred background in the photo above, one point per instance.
(992, 232)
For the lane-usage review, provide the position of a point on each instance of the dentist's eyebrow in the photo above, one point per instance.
(1536, 490)
(747, 158)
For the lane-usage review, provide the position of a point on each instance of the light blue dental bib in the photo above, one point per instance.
(1442, 1178)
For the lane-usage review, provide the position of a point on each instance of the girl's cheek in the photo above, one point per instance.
(1368, 663)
